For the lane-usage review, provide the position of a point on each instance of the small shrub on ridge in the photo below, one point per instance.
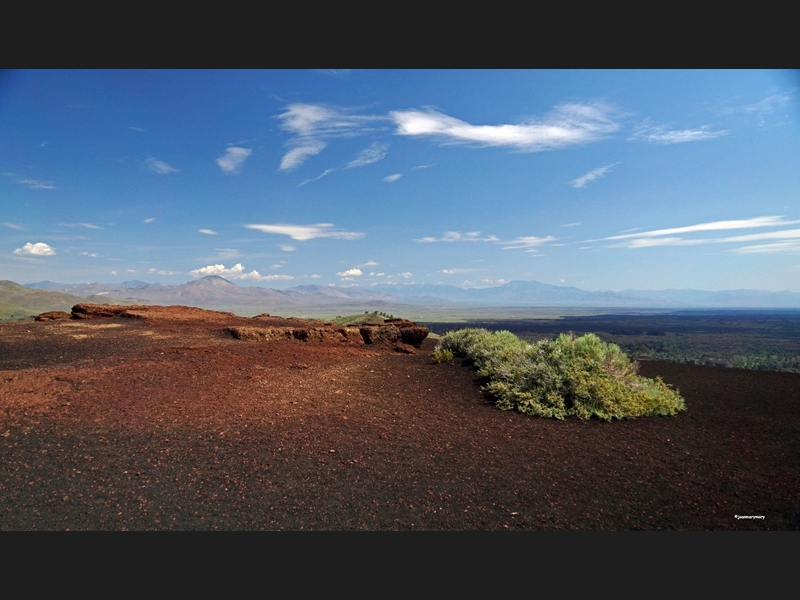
(569, 376)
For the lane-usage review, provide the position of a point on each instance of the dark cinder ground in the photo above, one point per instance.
(171, 424)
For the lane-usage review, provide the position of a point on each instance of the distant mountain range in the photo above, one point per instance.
(215, 292)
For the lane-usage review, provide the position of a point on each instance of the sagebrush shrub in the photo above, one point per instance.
(569, 376)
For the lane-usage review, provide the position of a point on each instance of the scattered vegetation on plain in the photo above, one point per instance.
(367, 318)
(569, 376)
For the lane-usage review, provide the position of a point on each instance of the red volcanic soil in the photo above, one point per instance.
(166, 421)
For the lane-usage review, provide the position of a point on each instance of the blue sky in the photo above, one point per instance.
(604, 180)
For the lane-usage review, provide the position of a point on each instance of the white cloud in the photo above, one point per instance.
(786, 247)
(312, 124)
(131, 271)
(227, 253)
(375, 152)
(457, 271)
(161, 272)
(530, 242)
(566, 125)
(236, 272)
(405, 275)
(317, 178)
(338, 73)
(297, 156)
(484, 283)
(315, 276)
(150, 220)
(89, 254)
(591, 176)
(86, 225)
(576, 224)
(350, 273)
(302, 233)
(14, 226)
(764, 107)
(208, 231)
(233, 159)
(668, 237)
(455, 236)
(113, 272)
(772, 235)
(139, 129)
(392, 178)
(651, 242)
(369, 263)
(35, 184)
(661, 134)
(771, 221)
(287, 248)
(159, 166)
(37, 249)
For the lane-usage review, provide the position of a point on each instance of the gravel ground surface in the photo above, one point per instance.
(167, 423)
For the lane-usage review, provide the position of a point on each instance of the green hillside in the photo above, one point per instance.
(18, 303)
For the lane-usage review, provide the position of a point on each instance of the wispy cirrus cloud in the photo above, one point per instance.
(303, 233)
(788, 240)
(37, 249)
(662, 134)
(208, 231)
(14, 226)
(231, 162)
(530, 243)
(227, 253)
(34, 184)
(161, 272)
(237, 271)
(770, 221)
(392, 178)
(372, 154)
(150, 220)
(456, 236)
(325, 173)
(765, 107)
(159, 166)
(591, 176)
(86, 225)
(566, 125)
(312, 124)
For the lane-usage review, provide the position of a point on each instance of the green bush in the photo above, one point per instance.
(441, 355)
(569, 376)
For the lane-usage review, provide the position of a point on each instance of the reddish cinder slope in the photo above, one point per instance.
(161, 419)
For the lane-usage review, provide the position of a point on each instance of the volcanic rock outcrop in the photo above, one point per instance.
(53, 315)
(401, 334)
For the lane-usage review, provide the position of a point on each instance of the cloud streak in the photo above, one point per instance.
(770, 221)
(566, 125)
(303, 233)
(313, 124)
(591, 176)
(456, 236)
(661, 134)
(159, 166)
